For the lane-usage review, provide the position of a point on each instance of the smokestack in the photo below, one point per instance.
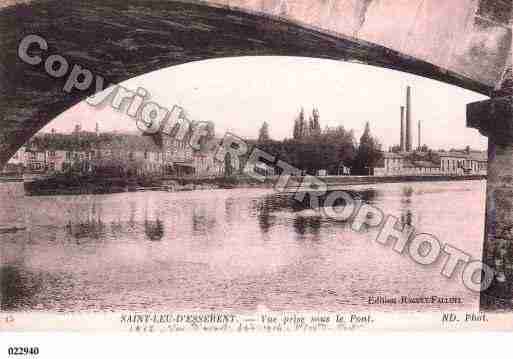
(408, 119)
(403, 147)
(419, 137)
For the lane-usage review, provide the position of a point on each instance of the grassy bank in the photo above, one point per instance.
(65, 184)
(240, 181)
(72, 184)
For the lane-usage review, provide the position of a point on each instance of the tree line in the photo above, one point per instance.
(312, 149)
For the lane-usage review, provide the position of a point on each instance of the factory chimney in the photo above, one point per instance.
(408, 119)
(420, 143)
(403, 147)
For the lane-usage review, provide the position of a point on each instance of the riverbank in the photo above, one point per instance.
(76, 185)
(362, 180)
(11, 177)
(67, 185)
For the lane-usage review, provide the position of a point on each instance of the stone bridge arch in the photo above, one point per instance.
(462, 42)
(467, 43)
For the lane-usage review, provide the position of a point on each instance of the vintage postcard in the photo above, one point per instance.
(255, 166)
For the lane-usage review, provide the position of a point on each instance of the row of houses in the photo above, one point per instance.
(432, 163)
(134, 153)
(84, 151)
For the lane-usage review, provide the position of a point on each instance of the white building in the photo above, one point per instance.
(454, 163)
(19, 157)
(35, 160)
(56, 160)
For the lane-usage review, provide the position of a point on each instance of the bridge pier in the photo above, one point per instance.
(12, 209)
(494, 119)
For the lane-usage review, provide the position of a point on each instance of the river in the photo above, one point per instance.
(238, 249)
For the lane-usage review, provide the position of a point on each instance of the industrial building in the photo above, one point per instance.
(409, 161)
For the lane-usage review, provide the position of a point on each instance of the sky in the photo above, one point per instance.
(239, 94)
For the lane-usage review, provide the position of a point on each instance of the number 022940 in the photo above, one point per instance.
(23, 351)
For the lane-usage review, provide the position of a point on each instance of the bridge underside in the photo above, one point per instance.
(462, 42)
(119, 40)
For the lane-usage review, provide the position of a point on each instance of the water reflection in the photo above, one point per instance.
(131, 221)
(406, 218)
(305, 219)
(91, 225)
(227, 249)
(203, 220)
(308, 225)
(265, 220)
(18, 289)
(154, 229)
(88, 228)
(369, 195)
(264, 209)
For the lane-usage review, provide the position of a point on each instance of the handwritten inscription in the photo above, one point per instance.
(222, 322)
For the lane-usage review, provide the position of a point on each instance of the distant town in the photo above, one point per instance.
(113, 154)
(332, 151)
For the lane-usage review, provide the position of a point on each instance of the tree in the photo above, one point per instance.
(424, 148)
(342, 144)
(302, 129)
(395, 149)
(306, 128)
(295, 133)
(207, 140)
(263, 134)
(310, 126)
(311, 148)
(368, 154)
(316, 124)
(228, 167)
